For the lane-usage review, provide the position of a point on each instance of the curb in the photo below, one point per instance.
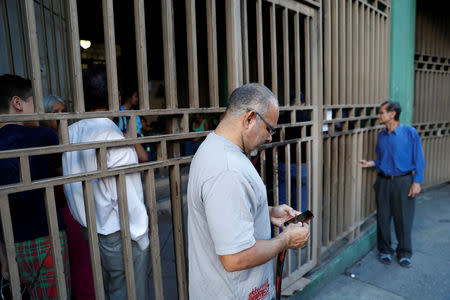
(327, 273)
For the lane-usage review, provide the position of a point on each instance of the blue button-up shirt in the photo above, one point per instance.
(400, 152)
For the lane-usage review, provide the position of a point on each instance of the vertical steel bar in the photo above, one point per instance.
(55, 48)
(298, 76)
(126, 236)
(361, 54)
(141, 54)
(286, 57)
(25, 175)
(276, 200)
(341, 180)
(64, 61)
(191, 35)
(245, 60)
(212, 53)
(33, 46)
(348, 161)
(150, 202)
(75, 57)
(50, 206)
(89, 205)
(327, 44)
(170, 78)
(110, 54)
(8, 38)
(63, 132)
(262, 166)
(273, 47)
(334, 189)
(326, 192)
(358, 183)
(45, 42)
(310, 196)
(259, 41)
(234, 50)
(342, 50)
(287, 180)
(315, 146)
(355, 54)
(349, 52)
(298, 152)
(25, 55)
(335, 52)
(377, 58)
(367, 69)
(8, 237)
(372, 56)
(307, 61)
(178, 230)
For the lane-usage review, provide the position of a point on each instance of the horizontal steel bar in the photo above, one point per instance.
(97, 145)
(38, 184)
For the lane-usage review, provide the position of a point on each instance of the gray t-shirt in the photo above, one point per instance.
(227, 212)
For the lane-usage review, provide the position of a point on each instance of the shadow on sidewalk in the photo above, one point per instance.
(428, 276)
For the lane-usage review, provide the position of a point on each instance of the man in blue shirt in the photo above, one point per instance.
(400, 163)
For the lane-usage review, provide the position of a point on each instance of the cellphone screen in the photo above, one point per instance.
(303, 217)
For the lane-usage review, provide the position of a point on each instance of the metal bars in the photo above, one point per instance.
(356, 76)
(288, 59)
(432, 90)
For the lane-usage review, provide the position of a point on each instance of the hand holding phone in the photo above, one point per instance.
(303, 217)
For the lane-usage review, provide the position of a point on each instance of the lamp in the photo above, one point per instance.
(85, 44)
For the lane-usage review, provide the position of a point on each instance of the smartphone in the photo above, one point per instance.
(303, 217)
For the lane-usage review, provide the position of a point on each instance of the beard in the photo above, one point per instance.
(254, 152)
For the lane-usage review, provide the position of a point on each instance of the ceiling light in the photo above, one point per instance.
(85, 44)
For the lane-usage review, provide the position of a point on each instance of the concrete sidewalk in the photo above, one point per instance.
(427, 278)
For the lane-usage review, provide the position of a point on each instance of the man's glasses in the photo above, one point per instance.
(269, 127)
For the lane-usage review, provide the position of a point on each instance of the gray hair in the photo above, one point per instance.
(50, 100)
(252, 96)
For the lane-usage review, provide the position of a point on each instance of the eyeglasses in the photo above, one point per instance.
(269, 127)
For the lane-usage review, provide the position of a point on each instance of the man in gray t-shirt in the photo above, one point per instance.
(230, 246)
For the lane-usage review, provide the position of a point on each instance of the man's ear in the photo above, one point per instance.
(394, 113)
(249, 119)
(16, 103)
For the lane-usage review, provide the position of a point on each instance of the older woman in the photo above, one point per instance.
(53, 104)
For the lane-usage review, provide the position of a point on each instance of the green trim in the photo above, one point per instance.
(327, 273)
(401, 88)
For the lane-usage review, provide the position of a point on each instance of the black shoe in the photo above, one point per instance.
(385, 258)
(405, 262)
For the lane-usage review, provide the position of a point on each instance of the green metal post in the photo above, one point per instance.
(401, 89)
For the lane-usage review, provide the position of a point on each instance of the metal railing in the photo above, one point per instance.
(283, 44)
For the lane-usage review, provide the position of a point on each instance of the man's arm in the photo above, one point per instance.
(419, 162)
(140, 151)
(294, 236)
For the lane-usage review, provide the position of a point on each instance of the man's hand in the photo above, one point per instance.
(414, 189)
(298, 235)
(281, 214)
(367, 164)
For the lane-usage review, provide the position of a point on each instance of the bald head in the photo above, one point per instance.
(252, 95)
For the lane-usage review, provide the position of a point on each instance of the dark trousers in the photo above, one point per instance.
(393, 201)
